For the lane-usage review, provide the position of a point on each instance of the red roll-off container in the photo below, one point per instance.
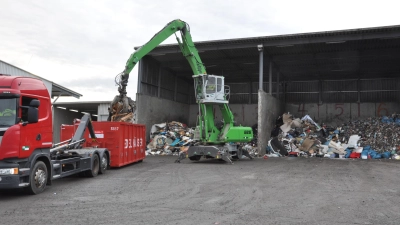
(125, 141)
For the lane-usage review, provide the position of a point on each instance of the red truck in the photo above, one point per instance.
(28, 157)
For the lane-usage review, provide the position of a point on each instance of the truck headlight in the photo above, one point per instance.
(9, 171)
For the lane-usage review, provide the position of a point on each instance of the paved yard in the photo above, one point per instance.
(272, 191)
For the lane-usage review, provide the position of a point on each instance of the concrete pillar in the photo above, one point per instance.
(261, 50)
(262, 140)
(269, 108)
(270, 77)
(140, 75)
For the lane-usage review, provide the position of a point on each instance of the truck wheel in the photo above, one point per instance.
(103, 164)
(95, 167)
(38, 178)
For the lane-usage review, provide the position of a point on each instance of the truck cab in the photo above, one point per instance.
(28, 158)
(25, 125)
(22, 99)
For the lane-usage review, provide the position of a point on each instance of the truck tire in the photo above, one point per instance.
(103, 164)
(38, 178)
(95, 167)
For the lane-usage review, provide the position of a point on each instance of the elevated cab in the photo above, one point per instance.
(210, 89)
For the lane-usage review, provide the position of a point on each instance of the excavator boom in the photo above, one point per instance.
(123, 107)
(210, 91)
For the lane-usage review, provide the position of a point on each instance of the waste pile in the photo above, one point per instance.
(381, 134)
(169, 138)
(374, 137)
(174, 137)
(368, 138)
(251, 146)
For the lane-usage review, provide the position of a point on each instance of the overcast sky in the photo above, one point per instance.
(84, 44)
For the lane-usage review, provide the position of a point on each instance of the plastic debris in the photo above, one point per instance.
(371, 138)
(168, 138)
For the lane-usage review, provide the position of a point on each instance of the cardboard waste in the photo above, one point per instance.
(169, 138)
(371, 138)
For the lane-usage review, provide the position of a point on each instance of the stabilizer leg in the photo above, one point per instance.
(182, 155)
(226, 158)
(246, 153)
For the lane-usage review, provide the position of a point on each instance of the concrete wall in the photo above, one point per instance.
(245, 114)
(193, 112)
(335, 114)
(269, 109)
(153, 110)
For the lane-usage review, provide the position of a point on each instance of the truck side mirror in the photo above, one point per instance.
(33, 115)
(34, 103)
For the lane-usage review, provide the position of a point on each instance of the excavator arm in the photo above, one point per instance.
(122, 107)
(209, 92)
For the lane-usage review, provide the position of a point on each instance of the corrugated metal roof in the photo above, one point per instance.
(342, 55)
(356, 52)
(6, 68)
(359, 34)
(54, 89)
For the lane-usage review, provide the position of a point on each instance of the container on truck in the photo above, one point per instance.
(126, 142)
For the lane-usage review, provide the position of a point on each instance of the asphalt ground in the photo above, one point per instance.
(259, 191)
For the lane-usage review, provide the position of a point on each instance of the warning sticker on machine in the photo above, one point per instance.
(98, 133)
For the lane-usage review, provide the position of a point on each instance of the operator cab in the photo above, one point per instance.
(210, 89)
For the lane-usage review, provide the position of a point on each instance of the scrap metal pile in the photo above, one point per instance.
(122, 109)
(294, 137)
(368, 138)
(169, 138)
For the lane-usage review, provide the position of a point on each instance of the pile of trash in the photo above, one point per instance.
(374, 137)
(369, 138)
(169, 138)
(381, 134)
(251, 148)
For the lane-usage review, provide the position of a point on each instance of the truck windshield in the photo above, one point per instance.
(8, 109)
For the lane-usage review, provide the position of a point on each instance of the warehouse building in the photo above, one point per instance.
(63, 112)
(55, 90)
(333, 76)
